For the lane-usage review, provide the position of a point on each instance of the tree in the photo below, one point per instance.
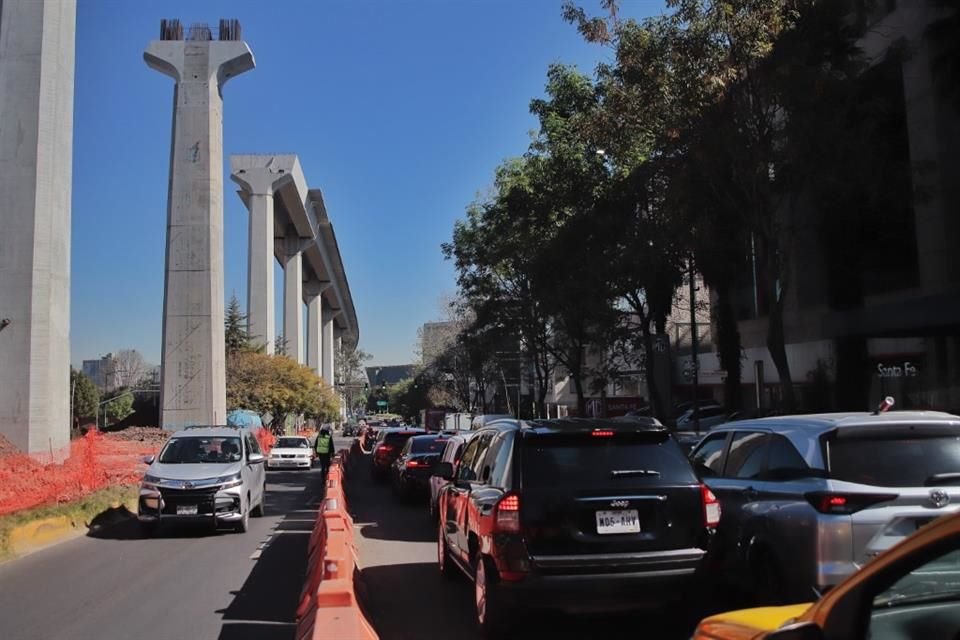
(86, 396)
(278, 386)
(236, 336)
(118, 408)
(944, 32)
(129, 367)
(351, 375)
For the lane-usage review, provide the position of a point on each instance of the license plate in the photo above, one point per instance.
(186, 509)
(624, 521)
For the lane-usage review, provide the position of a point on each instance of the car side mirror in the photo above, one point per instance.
(444, 470)
(797, 631)
(255, 458)
(149, 459)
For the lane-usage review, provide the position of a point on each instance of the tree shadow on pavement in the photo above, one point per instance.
(264, 608)
(379, 515)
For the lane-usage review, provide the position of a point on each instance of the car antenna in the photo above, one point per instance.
(885, 405)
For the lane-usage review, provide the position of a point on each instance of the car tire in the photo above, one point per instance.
(444, 561)
(244, 522)
(490, 611)
(260, 510)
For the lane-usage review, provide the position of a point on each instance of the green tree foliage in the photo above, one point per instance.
(86, 397)
(351, 375)
(278, 386)
(235, 333)
(120, 407)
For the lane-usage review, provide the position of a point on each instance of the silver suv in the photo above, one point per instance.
(807, 500)
(204, 474)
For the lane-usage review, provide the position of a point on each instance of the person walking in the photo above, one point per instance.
(324, 449)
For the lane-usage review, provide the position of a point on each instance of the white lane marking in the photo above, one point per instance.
(260, 549)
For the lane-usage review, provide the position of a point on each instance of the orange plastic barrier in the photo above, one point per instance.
(328, 607)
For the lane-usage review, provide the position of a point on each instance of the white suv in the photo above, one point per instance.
(210, 475)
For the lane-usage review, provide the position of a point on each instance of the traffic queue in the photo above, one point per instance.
(839, 525)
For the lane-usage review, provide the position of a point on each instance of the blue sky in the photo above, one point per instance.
(399, 110)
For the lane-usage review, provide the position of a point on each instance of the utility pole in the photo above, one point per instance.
(693, 345)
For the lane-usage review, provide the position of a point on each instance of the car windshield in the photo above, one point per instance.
(593, 462)
(937, 580)
(292, 443)
(896, 461)
(198, 449)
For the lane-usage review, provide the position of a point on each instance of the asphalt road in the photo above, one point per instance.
(186, 584)
(407, 599)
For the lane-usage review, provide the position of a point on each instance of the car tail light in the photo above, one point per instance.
(711, 507)
(507, 516)
(846, 503)
(602, 433)
(416, 464)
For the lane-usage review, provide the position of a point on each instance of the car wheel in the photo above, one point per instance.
(260, 510)
(490, 610)
(447, 570)
(244, 523)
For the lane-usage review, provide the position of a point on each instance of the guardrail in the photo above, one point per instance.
(328, 605)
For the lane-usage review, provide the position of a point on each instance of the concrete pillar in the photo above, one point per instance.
(313, 291)
(293, 296)
(193, 381)
(327, 357)
(36, 154)
(258, 184)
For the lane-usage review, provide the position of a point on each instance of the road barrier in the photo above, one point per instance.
(328, 607)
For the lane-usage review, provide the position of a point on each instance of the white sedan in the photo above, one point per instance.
(291, 452)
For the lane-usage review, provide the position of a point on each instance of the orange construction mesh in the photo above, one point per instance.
(266, 439)
(96, 461)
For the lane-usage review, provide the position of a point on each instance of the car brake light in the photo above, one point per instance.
(411, 464)
(846, 503)
(508, 514)
(711, 507)
(602, 433)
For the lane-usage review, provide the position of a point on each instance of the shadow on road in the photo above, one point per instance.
(379, 515)
(264, 607)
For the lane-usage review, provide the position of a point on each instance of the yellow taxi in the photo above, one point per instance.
(910, 591)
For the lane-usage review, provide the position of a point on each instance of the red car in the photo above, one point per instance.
(387, 449)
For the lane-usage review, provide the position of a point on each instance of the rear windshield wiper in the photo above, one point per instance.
(627, 473)
(939, 478)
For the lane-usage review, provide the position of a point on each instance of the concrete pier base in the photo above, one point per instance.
(36, 154)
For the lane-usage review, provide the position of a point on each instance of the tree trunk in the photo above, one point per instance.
(581, 400)
(776, 345)
(729, 348)
(653, 387)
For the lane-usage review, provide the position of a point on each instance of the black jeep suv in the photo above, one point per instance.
(575, 514)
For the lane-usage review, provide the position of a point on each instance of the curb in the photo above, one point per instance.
(46, 532)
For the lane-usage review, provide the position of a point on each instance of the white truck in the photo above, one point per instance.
(457, 421)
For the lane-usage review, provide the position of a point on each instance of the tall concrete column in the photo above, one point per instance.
(313, 291)
(327, 339)
(293, 296)
(36, 154)
(193, 381)
(258, 185)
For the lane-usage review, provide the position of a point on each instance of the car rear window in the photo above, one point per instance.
(428, 445)
(896, 461)
(398, 439)
(592, 462)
